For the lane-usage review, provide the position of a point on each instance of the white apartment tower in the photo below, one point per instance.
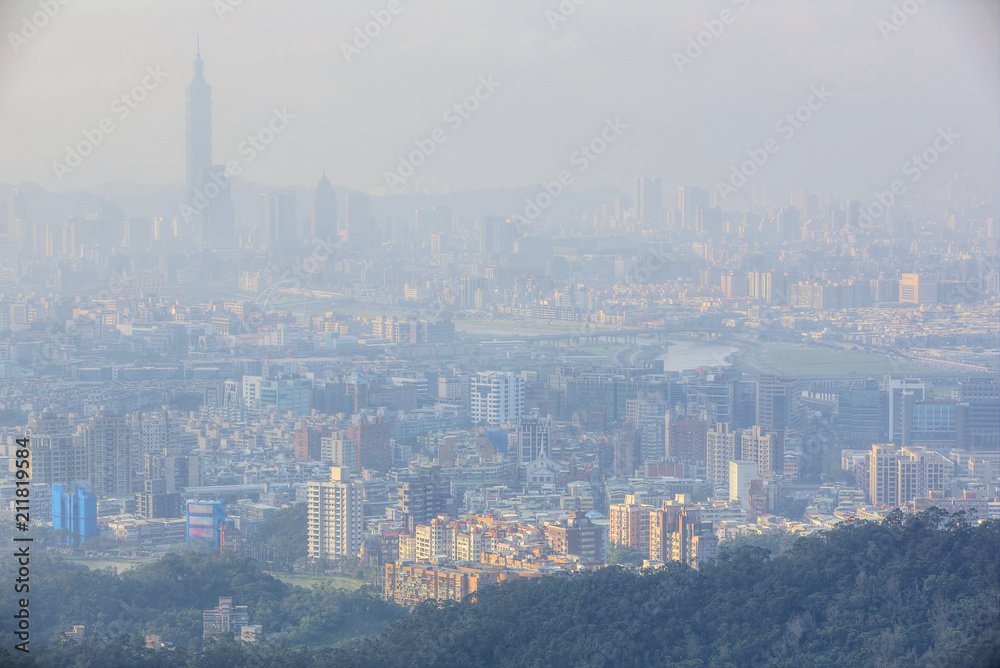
(496, 397)
(336, 527)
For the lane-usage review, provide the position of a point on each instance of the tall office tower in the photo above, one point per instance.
(897, 389)
(629, 524)
(199, 129)
(648, 200)
(982, 425)
(723, 447)
(488, 228)
(744, 403)
(789, 224)
(897, 476)
(421, 500)
(765, 449)
(278, 218)
(852, 222)
(676, 533)
(54, 457)
(534, 439)
(324, 211)
(689, 202)
(919, 289)
(776, 403)
(335, 516)
(859, 413)
(14, 212)
(686, 440)
(714, 391)
(741, 472)
(358, 216)
(496, 397)
(937, 424)
(106, 440)
(208, 192)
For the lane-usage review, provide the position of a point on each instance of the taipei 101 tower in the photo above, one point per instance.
(199, 128)
(207, 185)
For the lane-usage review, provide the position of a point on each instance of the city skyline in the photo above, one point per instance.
(882, 109)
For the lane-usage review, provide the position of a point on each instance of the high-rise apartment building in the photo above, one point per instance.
(577, 536)
(629, 524)
(899, 475)
(54, 455)
(686, 440)
(723, 446)
(106, 440)
(764, 448)
(335, 515)
(676, 533)
(427, 497)
(496, 397)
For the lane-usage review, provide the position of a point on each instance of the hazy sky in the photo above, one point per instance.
(611, 58)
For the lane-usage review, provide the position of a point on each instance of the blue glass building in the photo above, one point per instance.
(74, 508)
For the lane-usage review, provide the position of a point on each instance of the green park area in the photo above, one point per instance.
(119, 565)
(822, 361)
(306, 581)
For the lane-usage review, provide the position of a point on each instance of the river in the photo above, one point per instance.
(685, 354)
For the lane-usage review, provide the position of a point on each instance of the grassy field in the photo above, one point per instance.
(307, 581)
(118, 564)
(819, 361)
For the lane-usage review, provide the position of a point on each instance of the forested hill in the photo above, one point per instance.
(903, 592)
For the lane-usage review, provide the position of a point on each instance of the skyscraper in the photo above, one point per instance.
(13, 212)
(199, 128)
(324, 212)
(897, 390)
(358, 214)
(648, 200)
(690, 201)
(208, 193)
(278, 221)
